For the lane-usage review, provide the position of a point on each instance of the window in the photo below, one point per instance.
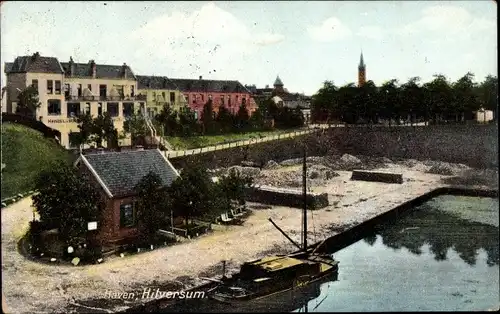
(202, 97)
(103, 91)
(228, 100)
(127, 215)
(58, 87)
(164, 95)
(236, 98)
(132, 91)
(79, 90)
(99, 109)
(34, 83)
(73, 109)
(54, 107)
(50, 87)
(222, 100)
(119, 89)
(113, 109)
(172, 97)
(128, 109)
(244, 101)
(154, 95)
(89, 86)
(67, 90)
(87, 108)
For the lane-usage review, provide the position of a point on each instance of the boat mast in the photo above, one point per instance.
(304, 191)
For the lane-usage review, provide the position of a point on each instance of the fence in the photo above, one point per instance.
(173, 154)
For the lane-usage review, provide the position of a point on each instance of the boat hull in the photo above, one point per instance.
(291, 296)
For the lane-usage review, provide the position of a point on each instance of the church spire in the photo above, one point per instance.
(361, 61)
(361, 71)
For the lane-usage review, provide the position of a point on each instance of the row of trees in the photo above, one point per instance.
(184, 122)
(67, 200)
(435, 101)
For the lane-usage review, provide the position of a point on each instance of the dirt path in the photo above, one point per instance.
(30, 287)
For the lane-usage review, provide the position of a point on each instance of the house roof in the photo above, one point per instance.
(216, 86)
(102, 70)
(119, 172)
(155, 82)
(35, 64)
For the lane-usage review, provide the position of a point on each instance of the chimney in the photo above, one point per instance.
(201, 77)
(93, 66)
(71, 66)
(35, 55)
(124, 70)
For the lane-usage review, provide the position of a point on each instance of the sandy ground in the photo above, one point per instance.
(31, 287)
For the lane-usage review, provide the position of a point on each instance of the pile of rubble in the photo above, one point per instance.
(316, 173)
(444, 168)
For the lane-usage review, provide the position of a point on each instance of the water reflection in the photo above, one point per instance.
(442, 231)
(436, 258)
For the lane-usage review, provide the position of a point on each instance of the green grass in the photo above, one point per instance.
(181, 143)
(25, 153)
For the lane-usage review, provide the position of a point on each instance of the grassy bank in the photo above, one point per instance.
(25, 153)
(181, 143)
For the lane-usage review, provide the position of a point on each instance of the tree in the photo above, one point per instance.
(136, 126)
(68, 200)
(28, 102)
(151, 205)
(242, 118)
(86, 127)
(168, 119)
(234, 186)
(207, 117)
(224, 120)
(190, 194)
(465, 99)
(438, 97)
(96, 130)
(367, 102)
(325, 106)
(257, 120)
(104, 129)
(411, 97)
(187, 121)
(348, 104)
(488, 94)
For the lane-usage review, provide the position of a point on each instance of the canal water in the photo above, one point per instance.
(443, 256)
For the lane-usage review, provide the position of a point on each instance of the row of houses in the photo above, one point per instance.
(66, 89)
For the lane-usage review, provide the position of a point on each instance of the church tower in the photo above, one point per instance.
(278, 85)
(361, 71)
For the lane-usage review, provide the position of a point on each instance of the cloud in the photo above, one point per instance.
(269, 39)
(204, 40)
(331, 29)
(448, 20)
(372, 32)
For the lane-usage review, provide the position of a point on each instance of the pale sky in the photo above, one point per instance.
(305, 43)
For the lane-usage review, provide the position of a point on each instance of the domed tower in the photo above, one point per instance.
(361, 71)
(278, 85)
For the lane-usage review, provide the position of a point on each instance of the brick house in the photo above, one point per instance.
(230, 94)
(116, 174)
